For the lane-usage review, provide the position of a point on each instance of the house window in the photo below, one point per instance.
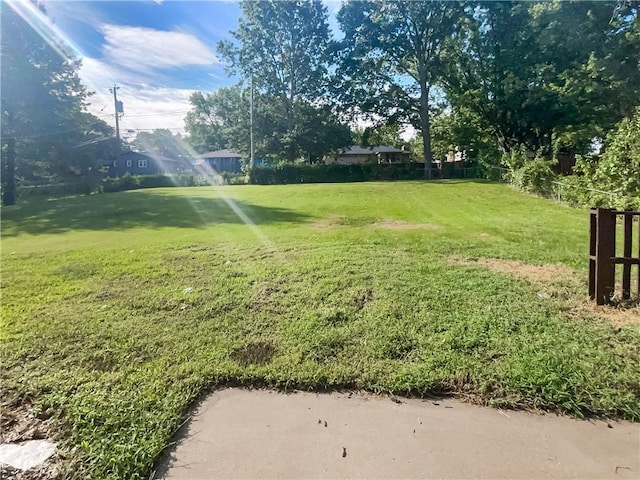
(142, 164)
(115, 163)
(129, 163)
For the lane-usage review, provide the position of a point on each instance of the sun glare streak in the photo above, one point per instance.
(214, 179)
(48, 31)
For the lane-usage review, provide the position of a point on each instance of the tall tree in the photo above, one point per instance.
(43, 101)
(392, 59)
(284, 47)
(224, 117)
(318, 131)
(203, 123)
(161, 141)
(385, 134)
(538, 72)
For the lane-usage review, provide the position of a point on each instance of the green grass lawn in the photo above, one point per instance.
(120, 309)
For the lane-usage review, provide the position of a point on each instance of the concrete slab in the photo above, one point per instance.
(261, 434)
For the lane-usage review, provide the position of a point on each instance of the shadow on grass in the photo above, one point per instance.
(136, 209)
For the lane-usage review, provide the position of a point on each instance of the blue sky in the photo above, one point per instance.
(158, 52)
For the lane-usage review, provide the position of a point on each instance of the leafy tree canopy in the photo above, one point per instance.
(391, 59)
(284, 48)
(46, 131)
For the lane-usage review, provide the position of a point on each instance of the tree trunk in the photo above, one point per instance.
(9, 177)
(425, 126)
(502, 143)
(291, 121)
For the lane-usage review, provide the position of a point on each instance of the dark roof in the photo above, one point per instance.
(225, 153)
(385, 149)
(355, 150)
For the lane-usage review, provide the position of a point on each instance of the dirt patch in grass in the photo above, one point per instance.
(258, 353)
(325, 223)
(552, 277)
(389, 224)
(360, 300)
(534, 273)
(620, 314)
(386, 224)
(262, 298)
(19, 423)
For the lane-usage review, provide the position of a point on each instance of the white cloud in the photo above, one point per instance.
(146, 49)
(145, 106)
(137, 60)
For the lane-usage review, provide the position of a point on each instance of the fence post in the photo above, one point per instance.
(627, 245)
(593, 229)
(604, 236)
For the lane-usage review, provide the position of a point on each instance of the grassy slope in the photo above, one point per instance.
(99, 331)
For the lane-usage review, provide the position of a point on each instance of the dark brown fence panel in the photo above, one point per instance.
(602, 254)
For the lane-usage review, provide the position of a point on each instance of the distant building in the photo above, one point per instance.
(135, 163)
(391, 155)
(353, 155)
(223, 161)
(356, 155)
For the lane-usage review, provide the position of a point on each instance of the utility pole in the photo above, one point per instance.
(251, 162)
(117, 110)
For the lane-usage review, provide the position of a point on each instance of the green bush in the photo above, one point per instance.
(613, 179)
(231, 178)
(82, 186)
(133, 182)
(535, 176)
(118, 184)
(618, 170)
(334, 173)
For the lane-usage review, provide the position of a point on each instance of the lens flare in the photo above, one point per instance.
(211, 177)
(40, 23)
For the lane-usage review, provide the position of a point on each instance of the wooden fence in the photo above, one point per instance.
(603, 259)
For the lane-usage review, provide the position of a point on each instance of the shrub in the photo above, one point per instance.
(118, 184)
(618, 171)
(613, 180)
(535, 176)
(84, 186)
(133, 182)
(231, 178)
(334, 173)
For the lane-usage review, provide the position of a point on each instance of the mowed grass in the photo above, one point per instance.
(120, 309)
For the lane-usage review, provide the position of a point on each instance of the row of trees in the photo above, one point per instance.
(491, 77)
(548, 77)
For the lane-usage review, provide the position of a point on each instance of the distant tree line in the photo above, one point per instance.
(504, 81)
(496, 79)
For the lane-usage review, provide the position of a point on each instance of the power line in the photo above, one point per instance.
(91, 142)
(51, 132)
(154, 128)
(157, 114)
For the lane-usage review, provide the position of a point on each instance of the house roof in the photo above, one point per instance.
(225, 153)
(355, 150)
(385, 149)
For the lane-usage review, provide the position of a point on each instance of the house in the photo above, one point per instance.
(223, 161)
(356, 155)
(353, 155)
(135, 163)
(391, 155)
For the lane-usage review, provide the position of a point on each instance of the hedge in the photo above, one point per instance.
(134, 182)
(304, 173)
